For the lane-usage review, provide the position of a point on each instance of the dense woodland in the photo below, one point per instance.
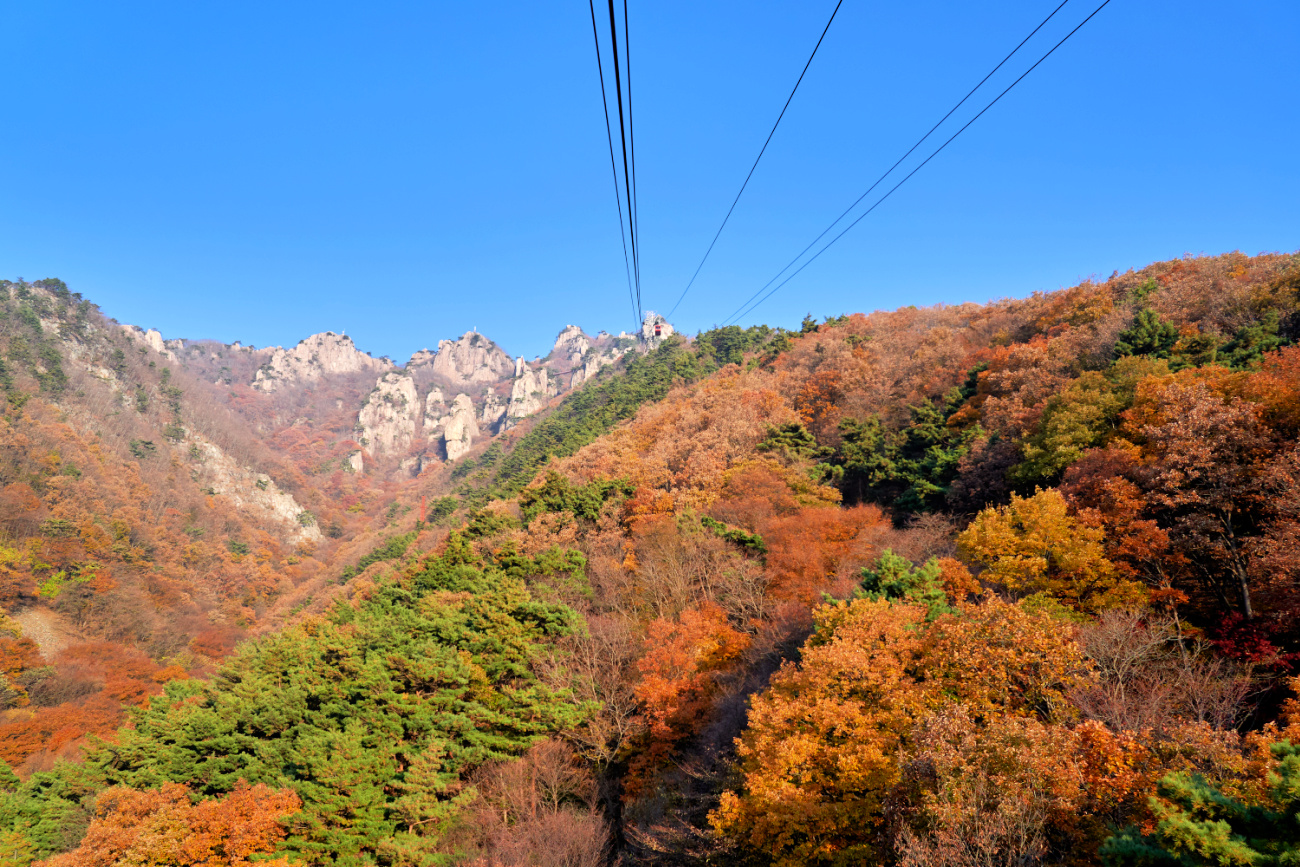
(988, 584)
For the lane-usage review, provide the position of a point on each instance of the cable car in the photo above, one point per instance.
(659, 329)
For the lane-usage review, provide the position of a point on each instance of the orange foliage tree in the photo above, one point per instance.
(679, 675)
(821, 758)
(166, 826)
(808, 548)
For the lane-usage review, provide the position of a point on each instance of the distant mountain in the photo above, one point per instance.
(414, 416)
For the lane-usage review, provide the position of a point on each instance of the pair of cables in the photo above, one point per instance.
(765, 293)
(628, 227)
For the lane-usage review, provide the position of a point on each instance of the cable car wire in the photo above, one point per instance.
(612, 165)
(748, 307)
(627, 180)
(761, 151)
(919, 142)
(631, 137)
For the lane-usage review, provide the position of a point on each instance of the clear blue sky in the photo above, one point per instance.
(407, 171)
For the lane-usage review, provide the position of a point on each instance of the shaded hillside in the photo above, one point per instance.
(139, 518)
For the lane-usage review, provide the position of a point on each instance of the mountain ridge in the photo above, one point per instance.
(407, 417)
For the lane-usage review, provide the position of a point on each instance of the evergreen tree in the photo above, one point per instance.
(910, 469)
(897, 579)
(1249, 344)
(1198, 825)
(1148, 335)
(374, 715)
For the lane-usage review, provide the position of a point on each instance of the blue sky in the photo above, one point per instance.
(408, 171)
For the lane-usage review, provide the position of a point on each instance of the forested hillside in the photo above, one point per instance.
(141, 530)
(1009, 583)
(158, 508)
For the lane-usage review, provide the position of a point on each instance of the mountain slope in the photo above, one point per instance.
(161, 498)
(952, 577)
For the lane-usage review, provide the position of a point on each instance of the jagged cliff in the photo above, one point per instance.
(435, 408)
(250, 491)
(529, 392)
(151, 338)
(387, 419)
(470, 360)
(459, 429)
(467, 389)
(576, 358)
(317, 356)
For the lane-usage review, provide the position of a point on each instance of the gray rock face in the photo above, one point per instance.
(453, 426)
(568, 354)
(388, 417)
(253, 492)
(571, 345)
(530, 390)
(150, 338)
(494, 411)
(471, 359)
(472, 369)
(421, 358)
(435, 414)
(460, 430)
(596, 360)
(317, 356)
(576, 357)
(155, 341)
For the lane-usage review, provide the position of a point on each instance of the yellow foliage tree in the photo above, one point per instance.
(998, 659)
(1033, 545)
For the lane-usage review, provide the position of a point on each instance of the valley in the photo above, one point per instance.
(1015, 583)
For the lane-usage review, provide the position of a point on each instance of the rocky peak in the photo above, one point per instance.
(571, 344)
(317, 356)
(577, 357)
(459, 429)
(471, 359)
(151, 338)
(154, 338)
(421, 358)
(453, 426)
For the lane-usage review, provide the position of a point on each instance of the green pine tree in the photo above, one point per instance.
(1198, 825)
(374, 714)
(1148, 335)
(897, 579)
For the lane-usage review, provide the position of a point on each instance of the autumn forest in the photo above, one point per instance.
(1014, 583)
